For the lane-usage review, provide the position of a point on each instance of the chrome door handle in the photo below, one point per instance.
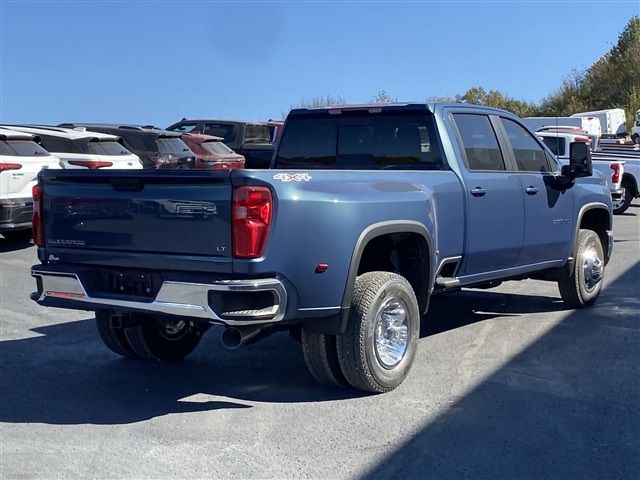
(478, 192)
(531, 190)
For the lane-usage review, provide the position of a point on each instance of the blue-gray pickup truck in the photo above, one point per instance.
(365, 213)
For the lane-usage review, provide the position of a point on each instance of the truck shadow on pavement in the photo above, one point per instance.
(12, 245)
(67, 376)
(567, 406)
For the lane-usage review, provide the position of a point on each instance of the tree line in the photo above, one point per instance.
(613, 81)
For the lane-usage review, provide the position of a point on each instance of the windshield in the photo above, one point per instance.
(22, 148)
(107, 148)
(218, 148)
(363, 140)
(174, 146)
(257, 134)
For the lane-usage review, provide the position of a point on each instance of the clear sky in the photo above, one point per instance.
(157, 61)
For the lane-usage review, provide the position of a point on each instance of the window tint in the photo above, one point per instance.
(185, 127)
(216, 147)
(57, 144)
(106, 148)
(173, 145)
(556, 144)
(224, 130)
(22, 148)
(137, 142)
(257, 134)
(360, 140)
(530, 156)
(479, 142)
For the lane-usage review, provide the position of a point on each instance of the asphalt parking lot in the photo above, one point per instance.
(507, 384)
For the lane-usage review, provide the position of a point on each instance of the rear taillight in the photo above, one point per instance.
(36, 220)
(615, 175)
(90, 164)
(582, 139)
(252, 209)
(9, 166)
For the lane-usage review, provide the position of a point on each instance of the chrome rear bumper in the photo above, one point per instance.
(174, 298)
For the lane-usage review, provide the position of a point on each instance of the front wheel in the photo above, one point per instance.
(377, 350)
(636, 139)
(580, 286)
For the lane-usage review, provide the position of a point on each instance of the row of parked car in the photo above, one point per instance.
(200, 144)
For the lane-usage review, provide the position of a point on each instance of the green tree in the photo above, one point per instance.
(493, 98)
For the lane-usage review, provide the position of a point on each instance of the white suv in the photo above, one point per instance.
(80, 148)
(21, 158)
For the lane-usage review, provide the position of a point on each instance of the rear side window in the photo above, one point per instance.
(224, 130)
(257, 134)
(107, 148)
(22, 148)
(479, 142)
(529, 155)
(555, 144)
(372, 141)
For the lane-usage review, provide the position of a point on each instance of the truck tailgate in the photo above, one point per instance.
(172, 212)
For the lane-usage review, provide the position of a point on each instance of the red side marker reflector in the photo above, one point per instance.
(321, 268)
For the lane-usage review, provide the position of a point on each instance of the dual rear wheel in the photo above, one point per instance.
(145, 337)
(378, 347)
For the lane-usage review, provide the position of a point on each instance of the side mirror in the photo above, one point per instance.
(579, 161)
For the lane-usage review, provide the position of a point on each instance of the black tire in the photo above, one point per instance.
(321, 356)
(636, 139)
(626, 201)
(18, 235)
(113, 337)
(163, 340)
(574, 285)
(360, 360)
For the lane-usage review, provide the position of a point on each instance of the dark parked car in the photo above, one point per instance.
(157, 148)
(252, 140)
(212, 153)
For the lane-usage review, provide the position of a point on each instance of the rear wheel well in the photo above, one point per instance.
(598, 220)
(630, 181)
(404, 253)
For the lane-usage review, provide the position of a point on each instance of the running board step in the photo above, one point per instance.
(447, 283)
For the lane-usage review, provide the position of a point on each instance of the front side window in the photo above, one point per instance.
(360, 140)
(529, 155)
(479, 142)
(185, 127)
(22, 148)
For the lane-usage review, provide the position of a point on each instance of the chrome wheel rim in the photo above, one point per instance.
(392, 332)
(592, 268)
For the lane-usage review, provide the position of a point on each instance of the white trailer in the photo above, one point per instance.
(590, 125)
(612, 121)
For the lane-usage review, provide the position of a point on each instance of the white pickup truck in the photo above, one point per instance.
(558, 141)
(630, 155)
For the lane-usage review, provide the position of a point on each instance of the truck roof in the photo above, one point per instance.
(70, 133)
(120, 126)
(373, 107)
(8, 134)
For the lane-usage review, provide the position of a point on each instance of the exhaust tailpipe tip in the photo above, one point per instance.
(231, 338)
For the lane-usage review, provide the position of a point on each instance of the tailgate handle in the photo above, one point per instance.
(126, 184)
